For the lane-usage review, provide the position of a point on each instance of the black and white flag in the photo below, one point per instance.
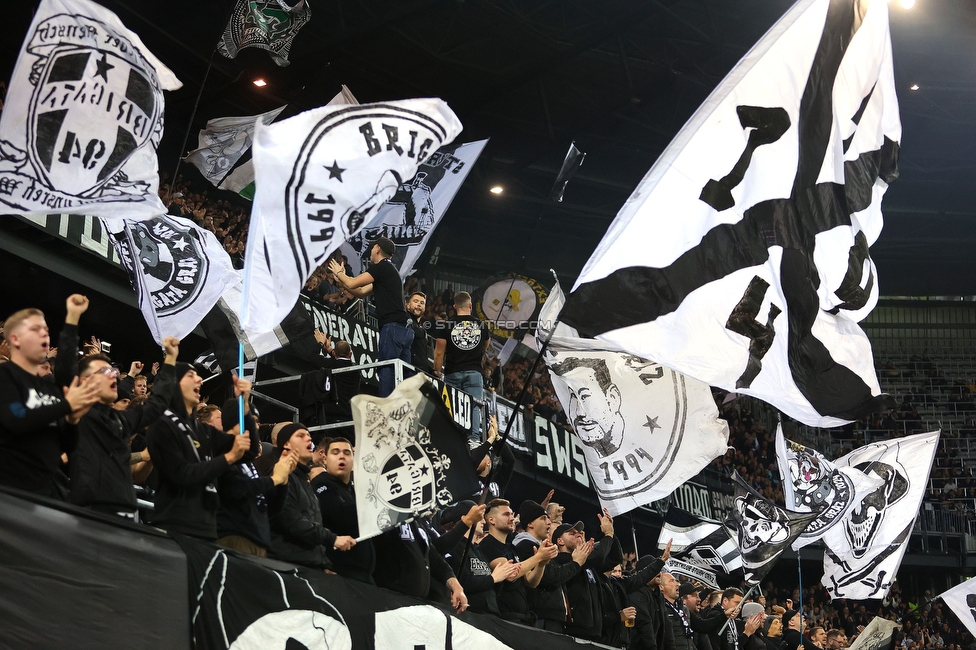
(178, 270)
(962, 600)
(411, 459)
(413, 212)
(82, 117)
(811, 483)
(222, 143)
(320, 177)
(879, 634)
(265, 24)
(645, 429)
(778, 178)
(763, 529)
(863, 552)
(702, 542)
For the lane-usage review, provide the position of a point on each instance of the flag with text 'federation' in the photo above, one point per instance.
(320, 177)
(703, 542)
(759, 286)
(265, 24)
(863, 552)
(82, 117)
(962, 600)
(879, 634)
(762, 529)
(178, 270)
(811, 483)
(413, 212)
(241, 179)
(222, 143)
(411, 459)
(645, 429)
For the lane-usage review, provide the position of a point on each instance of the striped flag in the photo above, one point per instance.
(703, 542)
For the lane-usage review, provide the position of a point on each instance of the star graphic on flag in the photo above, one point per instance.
(423, 471)
(181, 244)
(103, 66)
(335, 171)
(651, 423)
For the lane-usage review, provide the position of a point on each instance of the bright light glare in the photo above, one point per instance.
(907, 4)
(498, 189)
(260, 83)
(913, 87)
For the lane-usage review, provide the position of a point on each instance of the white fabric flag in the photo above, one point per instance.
(82, 117)
(645, 429)
(778, 178)
(224, 141)
(178, 270)
(863, 552)
(962, 600)
(880, 634)
(320, 176)
(411, 215)
(811, 483)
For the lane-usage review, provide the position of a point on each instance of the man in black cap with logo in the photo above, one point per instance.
(382, 280)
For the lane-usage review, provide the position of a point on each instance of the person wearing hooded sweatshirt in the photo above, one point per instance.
(189, 457)
(101, 466)
(297, 533)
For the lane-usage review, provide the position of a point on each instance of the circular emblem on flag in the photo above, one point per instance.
(174, 266)
(510, 303)
(407, 481)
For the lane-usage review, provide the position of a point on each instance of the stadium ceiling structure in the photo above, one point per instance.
(620, 77)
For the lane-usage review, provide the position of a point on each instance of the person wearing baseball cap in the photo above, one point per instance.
(382, 279)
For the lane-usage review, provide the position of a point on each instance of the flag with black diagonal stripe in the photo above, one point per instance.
(778, 179)
(700, 542)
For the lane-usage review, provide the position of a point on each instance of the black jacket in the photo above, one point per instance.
(101, 474)
(792, 640)
(297, 533)
(420, 348)
(708, 623)
(337, 502)
(501, 471)
(243, 508)
(189, 456)
(548, 599)
(651, 630)
(583, 590)
(407, 562)
(615, 594)
(475, 578)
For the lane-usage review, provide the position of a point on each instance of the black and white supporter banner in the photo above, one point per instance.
(701, 542)
(880, 634)
(863, 552)
(962, 600)
(222, 143)
(319, 177)
(778, 179)
(82, 117)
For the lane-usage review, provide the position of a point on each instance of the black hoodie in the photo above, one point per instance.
(337, 501)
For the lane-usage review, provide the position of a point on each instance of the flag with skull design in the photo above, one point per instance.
(962, 600)
(763, 529)
(411, 459)
(862, 553)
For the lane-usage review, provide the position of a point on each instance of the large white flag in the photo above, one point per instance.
(863, 552)
(82, 117)
(320, 176)
(645, 429)
(411, 215)
(224, 141)
(962, 600)
(178, 270)
(811, 483)
(742, 259)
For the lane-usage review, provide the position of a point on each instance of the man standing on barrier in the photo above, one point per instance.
(461, 343)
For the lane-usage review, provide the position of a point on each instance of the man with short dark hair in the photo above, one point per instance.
(458, 353)
(382, 279)
(837, 640)
(420, 350)
(594, 407)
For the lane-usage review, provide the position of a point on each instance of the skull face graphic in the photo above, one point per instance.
(864, 522)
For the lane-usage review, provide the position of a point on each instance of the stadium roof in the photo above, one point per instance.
(619, 77)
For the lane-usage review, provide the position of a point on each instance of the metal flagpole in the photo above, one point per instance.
(189, 125)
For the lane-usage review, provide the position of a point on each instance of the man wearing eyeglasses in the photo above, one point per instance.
(101, 466)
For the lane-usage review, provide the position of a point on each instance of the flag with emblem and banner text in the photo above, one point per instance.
(411, 459)
(879, 634)
(82, 117)
(320, 177)
(759, 286)
(863, 551)
(178, 270)
(962, 600)
(222, 143)
(811, 483)
(706, 546)
(265, 24)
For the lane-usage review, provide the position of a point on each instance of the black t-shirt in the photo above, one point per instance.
(512, 596)
(387, 293)
(466, 338)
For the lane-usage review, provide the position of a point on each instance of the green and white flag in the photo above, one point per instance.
(223, 143)
(265, 24)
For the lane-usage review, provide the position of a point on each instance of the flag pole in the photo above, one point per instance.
(189, 125)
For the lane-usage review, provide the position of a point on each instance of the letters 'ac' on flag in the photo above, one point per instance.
(82, 117)
(778, 178)
(962, 600)
(320, 176)
(265, 24)
(700, 541)
(411, 459)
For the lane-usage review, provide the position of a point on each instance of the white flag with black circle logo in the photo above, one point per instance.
(742, 257)
(82, 117)
(962, 600)
(222, 143)
(863, 552)
(178, 270)
(320, 176)
(811, 483)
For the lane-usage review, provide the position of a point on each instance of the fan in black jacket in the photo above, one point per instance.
(190, 455)
(495, 463)
(651, 629)
(615, 592)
